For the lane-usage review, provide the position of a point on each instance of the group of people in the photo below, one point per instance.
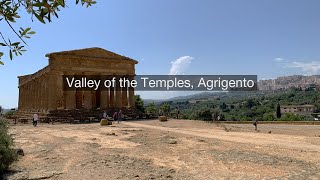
(117, 116)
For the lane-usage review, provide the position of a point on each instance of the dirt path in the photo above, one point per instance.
(155, 150)
(281, 141)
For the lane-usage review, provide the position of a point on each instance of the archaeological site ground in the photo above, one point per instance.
(176, 149)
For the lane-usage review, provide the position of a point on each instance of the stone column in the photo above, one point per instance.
(25, 96)
(29, 97)
(87, 99)
(45, 93)
(60, 92)
(118, 94)
(20, 99)
(41, 94)
(35, 96)
(124, 96)
(94, 98)
(38, 94)
(104, 96)
(52, 91)
(21, 96)
(69, 97)
(112, 102)
(32, 95)
(131, 95)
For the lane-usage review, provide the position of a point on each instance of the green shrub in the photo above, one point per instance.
(7, 153)
(268, 117)
(10, 113)
(291, 117)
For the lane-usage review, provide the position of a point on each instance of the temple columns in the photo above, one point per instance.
(118, 94)
(87, 99)
(131, 96)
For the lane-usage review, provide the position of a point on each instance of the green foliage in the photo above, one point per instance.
(205, 114)
(165, 108)
(242, 106)
(139, 104)
(278, 111)
(268, 117)
(292, 117)
(7, 153)
(42, 10)
(10, 113)
(151, 108)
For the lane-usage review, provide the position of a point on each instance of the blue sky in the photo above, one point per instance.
(268, 38)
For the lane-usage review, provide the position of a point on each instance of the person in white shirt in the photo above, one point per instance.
(105, 115)
(35, 120)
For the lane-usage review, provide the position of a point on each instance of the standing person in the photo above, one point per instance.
(119, 116)
(115, 116)
(104, 116)
(178, 113)
(255, 123)
(35, 119)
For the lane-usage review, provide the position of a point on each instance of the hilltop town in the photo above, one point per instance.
(286, 82)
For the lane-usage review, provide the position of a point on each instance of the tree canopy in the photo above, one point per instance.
(40, 10)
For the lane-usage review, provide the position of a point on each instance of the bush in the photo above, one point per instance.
(7, 153)
(205, 115)
(10, 114)
(268, 117)
(291, 117)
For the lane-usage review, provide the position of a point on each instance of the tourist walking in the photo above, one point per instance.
(35, 119)
(255, 123)
(119, 116)
(115, 116)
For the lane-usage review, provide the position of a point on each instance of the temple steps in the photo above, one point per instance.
(77, 115)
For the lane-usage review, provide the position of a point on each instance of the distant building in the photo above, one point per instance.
(297, 109)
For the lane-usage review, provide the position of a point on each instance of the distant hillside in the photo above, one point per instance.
(286, 82)
(209, 96)
(237, 106)
(280, 84)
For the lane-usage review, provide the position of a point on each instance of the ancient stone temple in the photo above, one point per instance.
(43, 91)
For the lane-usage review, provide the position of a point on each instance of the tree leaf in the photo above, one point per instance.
(1, 63)
(31, 32)
(38, 4)
(10, 52)
(39, 18)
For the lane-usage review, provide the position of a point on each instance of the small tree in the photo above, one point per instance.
(165, 108)
(151, 108)
(278, 111)
(223, 106)
(139, 104)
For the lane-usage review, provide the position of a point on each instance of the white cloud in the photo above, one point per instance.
(180, 65)
(278, 59)
(310, 68)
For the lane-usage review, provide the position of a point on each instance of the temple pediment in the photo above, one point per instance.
(94, 52)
